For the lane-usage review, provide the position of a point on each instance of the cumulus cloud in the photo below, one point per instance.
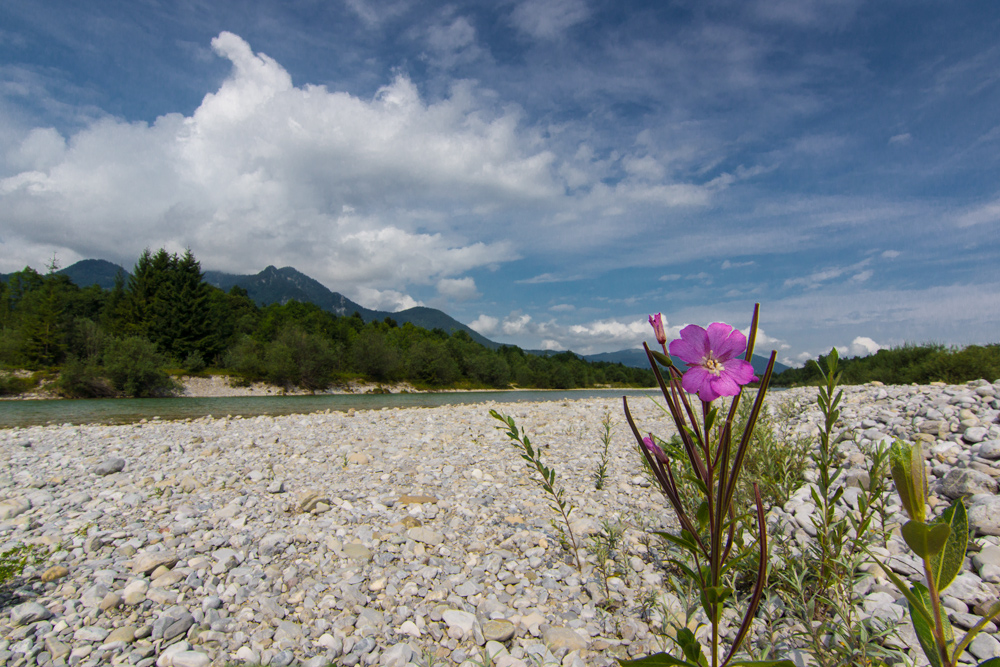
(459, 289)
(265, 172)
(515, 324)
(484, 324)
(389, 300)
(862, 346)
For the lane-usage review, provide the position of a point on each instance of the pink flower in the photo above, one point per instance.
(657, 322)
(713, 367)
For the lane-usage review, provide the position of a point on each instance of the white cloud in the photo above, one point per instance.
(460, 289)
(984, 214)
(356, 193)
(826, 275)
(484, 324)
(890, 254)
(373, 12)
(452, 43)
(562, 308)
(861, 346)
(901, 139)
(548, 19)
(736, 265)
(515, 324)
(388, 300)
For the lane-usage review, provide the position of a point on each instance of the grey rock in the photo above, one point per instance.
(27, 613)
(975, 434)
(173, 622)
(985, 646)
(13, 507)
(984, 517)
(109, 466)
(990, 449)
(966, 482)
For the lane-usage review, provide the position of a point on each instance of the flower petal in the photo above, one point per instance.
(739, 370)
(692, 346)
(724, 385)
(695, 380)
(734, 345)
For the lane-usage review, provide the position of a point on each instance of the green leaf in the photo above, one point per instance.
(925, 631)
(916, 603)
(684, 540)
(701, 517)
(946, 564)
(656, 660)
(926, 541)
(762, 663)
(992, 662)
(689, 644)
(906, 463)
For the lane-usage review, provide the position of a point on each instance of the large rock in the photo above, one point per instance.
(557, 638)
(109, 466)
(172, 623)
(12, 507)
(967, 482)
(984, 517)
(149, 561)
(29, 612)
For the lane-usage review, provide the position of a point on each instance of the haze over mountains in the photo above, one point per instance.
(273, 285)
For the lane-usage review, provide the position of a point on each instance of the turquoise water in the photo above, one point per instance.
(128, 410)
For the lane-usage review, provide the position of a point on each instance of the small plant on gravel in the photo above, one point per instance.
(941, 544)
(820, 584)
(601, 476)
(14, 560)
(533, 458)
(709, 535)
(609, 558)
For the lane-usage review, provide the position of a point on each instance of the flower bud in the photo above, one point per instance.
(657, 322)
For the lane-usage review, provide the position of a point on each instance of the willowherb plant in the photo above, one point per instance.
(533, 458)
(941, 544)
(709, 536)
(601, 476)
(818, 585)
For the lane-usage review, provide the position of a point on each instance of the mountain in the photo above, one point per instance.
(283, 285)
(89, 272)
(274, 285)
(637, 359)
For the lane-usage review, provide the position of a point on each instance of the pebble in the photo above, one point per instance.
(393, 537)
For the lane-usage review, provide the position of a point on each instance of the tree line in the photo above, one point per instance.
(165, 317)
(906, 364)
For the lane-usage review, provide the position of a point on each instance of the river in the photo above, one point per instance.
(127, 410)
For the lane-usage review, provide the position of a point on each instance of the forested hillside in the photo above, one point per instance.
(105, 342)
(905, 365)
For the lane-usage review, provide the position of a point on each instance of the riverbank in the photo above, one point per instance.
(375, 536)
(216, 386)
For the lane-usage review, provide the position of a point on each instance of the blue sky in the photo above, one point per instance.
(548, 171)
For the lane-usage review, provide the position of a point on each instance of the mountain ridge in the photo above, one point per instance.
(274, 285)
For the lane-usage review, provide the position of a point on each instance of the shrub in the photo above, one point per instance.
(79, 379)
(135, 368)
